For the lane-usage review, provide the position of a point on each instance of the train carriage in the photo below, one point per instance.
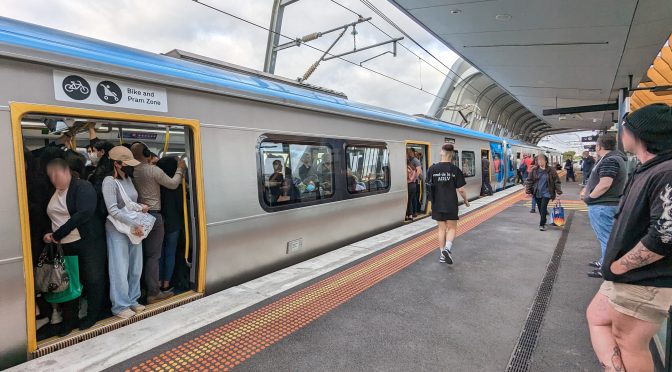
(237, 129)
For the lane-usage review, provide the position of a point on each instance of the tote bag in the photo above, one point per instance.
(559, 214)
(134, 211)
(50, 273)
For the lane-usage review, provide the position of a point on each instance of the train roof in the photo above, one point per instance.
(32, 37)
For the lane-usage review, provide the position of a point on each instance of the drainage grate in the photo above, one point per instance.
(522, 353)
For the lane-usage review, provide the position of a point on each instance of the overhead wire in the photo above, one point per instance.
(320, 50)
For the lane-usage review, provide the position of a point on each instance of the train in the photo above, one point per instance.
(278, 171)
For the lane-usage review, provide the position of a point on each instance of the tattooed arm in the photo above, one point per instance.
(636, 258)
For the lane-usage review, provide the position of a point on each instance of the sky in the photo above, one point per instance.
(162, 25)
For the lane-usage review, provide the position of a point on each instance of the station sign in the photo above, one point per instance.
(110, 92)
(589, 147)
(449, 140)
(589, 139)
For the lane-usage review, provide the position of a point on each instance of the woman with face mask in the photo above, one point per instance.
(125, 258)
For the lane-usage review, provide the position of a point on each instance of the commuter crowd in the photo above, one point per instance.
(116, 217)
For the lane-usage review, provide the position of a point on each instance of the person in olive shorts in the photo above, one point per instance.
(636, 294)
(445, 180)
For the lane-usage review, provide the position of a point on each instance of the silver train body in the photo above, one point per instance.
(243, 239)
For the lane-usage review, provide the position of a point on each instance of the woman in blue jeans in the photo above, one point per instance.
(172, 211)
(125, 258)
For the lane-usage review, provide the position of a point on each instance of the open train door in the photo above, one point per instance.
(39, 132)
(420, 151)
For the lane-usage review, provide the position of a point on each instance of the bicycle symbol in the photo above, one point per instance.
(76, 86)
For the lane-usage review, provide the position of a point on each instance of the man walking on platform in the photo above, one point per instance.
(445, 180)
(631, 304)
(603, 192)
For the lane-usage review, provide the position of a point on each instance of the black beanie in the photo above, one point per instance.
(652, 124)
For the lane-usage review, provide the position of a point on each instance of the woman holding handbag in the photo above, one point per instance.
(71, 209)
(543, 184)
(124, 234)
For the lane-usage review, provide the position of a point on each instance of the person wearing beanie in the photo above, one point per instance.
(635, 297)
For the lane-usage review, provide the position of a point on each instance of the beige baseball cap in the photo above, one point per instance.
(123, 154)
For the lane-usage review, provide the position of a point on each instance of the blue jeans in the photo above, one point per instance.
(167, 260)
(602, 220)
(125, 269)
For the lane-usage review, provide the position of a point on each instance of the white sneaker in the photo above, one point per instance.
(126, 314)
(138, 308)
(56, 317)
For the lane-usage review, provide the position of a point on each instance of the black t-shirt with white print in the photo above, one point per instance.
(444, 178)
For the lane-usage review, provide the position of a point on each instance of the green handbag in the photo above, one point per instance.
(74, 289)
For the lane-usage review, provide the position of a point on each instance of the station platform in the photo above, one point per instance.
(514, 300)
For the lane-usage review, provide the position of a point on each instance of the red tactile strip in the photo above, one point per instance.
(228, 345)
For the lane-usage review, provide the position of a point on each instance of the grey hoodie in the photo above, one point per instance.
(611, 165)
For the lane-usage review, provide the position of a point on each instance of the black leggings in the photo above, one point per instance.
(542, 203)
(92, 255)
(412, 206)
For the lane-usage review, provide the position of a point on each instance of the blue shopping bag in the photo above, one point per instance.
(558, 214)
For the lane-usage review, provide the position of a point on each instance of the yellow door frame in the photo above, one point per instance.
(428, 157)
(490, 169)
(18, 110)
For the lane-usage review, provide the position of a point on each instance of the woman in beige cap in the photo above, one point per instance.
(125, 258)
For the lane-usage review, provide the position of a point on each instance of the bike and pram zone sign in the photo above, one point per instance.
(94, 90)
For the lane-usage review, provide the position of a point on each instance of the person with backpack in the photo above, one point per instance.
(444, 181)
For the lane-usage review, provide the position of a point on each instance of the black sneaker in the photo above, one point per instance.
(597, 273)
(446, 256)
(533, 211)
(595, 264)
(542, 228)
(441, 259)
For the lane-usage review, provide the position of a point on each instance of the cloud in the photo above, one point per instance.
(162, 25)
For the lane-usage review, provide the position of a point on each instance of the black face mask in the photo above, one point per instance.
(128, 170)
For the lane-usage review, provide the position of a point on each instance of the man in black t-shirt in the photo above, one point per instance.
(445, 180)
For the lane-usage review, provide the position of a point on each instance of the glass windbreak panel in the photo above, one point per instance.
(295, 173)
(368, 169)
(468, 163)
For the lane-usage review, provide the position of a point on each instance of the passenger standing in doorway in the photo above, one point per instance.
(417, 167)
(569, 167)
(445, 180)
(412, 186)
(603, 193)
(634, 299)
(148, 179)
(486, 188)
(543, 184)
(421, 185)
(125, 258)
(172, 210)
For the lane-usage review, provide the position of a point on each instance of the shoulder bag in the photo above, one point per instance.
(134, 211)
(50, 273)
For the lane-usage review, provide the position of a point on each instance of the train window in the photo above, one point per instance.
(468, 163)
(295, 173)
(368, 169)
(456, 159)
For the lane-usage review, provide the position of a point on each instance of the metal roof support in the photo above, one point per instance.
(515, 113)
(520, 123)
(514, 103)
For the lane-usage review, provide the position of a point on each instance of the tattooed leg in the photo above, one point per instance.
(599, 325)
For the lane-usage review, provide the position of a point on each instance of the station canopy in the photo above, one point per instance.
(545, 54)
